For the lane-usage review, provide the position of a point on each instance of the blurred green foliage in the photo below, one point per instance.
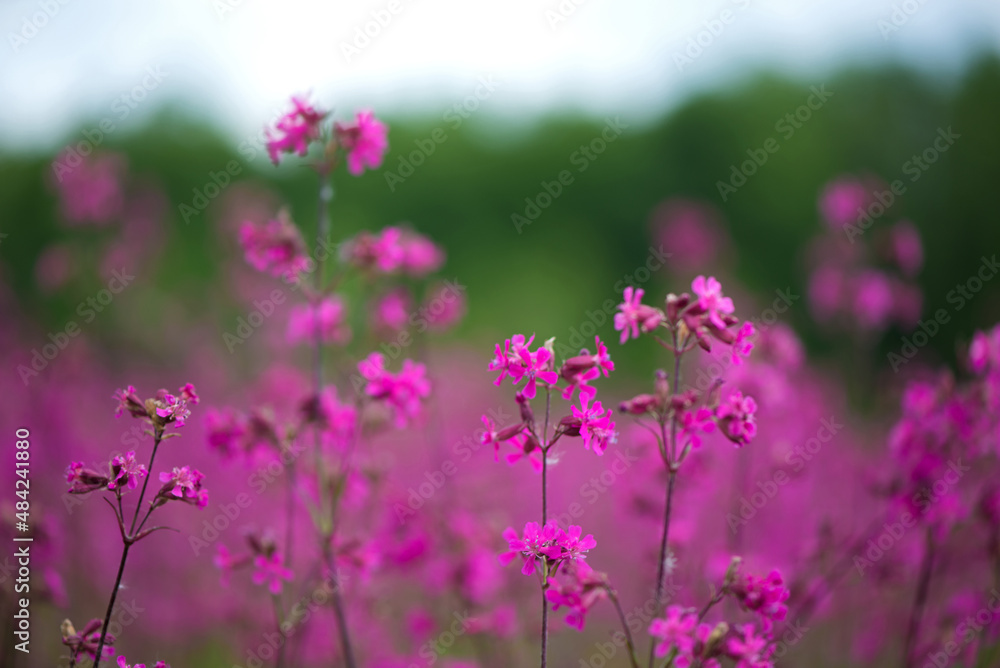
(546, 277)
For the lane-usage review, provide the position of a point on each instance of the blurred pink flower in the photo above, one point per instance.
(294, 131)
(365, 140)
(328, 319)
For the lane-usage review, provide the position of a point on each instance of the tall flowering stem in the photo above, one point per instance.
(919, 600)
(124, 474)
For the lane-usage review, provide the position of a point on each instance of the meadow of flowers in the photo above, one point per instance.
(339, 481)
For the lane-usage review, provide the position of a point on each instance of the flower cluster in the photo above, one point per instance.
(275, 247)
(394, 250)
(547, 545)
(401, 392)
(326, 320)
(863, 280)
(162, 409)
(295, 130)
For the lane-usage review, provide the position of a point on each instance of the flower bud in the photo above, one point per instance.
(639, 404)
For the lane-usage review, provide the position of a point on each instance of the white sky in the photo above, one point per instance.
(236, 61)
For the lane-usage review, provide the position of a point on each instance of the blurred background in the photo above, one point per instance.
(550, 148)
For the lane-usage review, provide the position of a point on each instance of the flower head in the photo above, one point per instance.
(675, 632)
(84, 480)
(294, 131)
(634, 317)
(595, 425)
(402, 392)
(326, 319)
(275, 247)
(271, 570)
(711, 301)
(737, 418)
(365, 141)
(126, 471)
(85, 641)
(183, 484)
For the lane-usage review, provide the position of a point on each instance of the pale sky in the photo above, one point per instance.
(237, 61)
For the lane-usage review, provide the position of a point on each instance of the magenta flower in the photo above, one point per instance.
(596, 427)
(275, 247)
(421, 256)
(633, 316)
(711, 301)
(339, 419)
(392, 311)
(184, 484)
(327, 319)
(226, 430)
(172, 409)
(272, 571)
(743, 343)
(294, 131)
(84, 480)
(508, 360)
(737, 418)
(126, 471)
(92, 192)
(84, 642)
(365, 140)
(578, 371)
(574, 544)
(751, 651)
(494, 437)
(765, 596)
(693, 423)
(383, 252)
(843, 201)
(129, 401)
(402, 392)
(675, 631)
(525, 446)
(580, 591)
(537, 366)
(538, 542)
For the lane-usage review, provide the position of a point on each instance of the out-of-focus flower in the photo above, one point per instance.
(271, 570)
(737, 418)
(403, 392)
(365, 141)
(295, 130)
(634, 317)
(275, 247)
(91, 189)
(327, 319)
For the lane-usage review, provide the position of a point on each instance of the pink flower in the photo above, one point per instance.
(173, 409)
(226, 430)
(421, 256)
(91, 190)
(692, 422)
(751, 651)
(402, 392)
(383, 252)
(538, 542)
(339, 419)
(580, 591)
(184, 484)
(85, 641)
(984, 351)
(743, 343)
(508, 360)
(272, 571)
(365, 141)
(126, 470)
(392, 312)
(578, 371)
(764, 596)
(129, 401)
(711, 301)
(275, 247)
(737, 418)
(596, 427)
(537, 366)
(873, 300)
(907, 249)
(294, 131)
(444, 305)
(525, 445)
(84, 480)
(327, 319)
(675, 631)
(494, 437)
(843, 201)
(634, 316)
